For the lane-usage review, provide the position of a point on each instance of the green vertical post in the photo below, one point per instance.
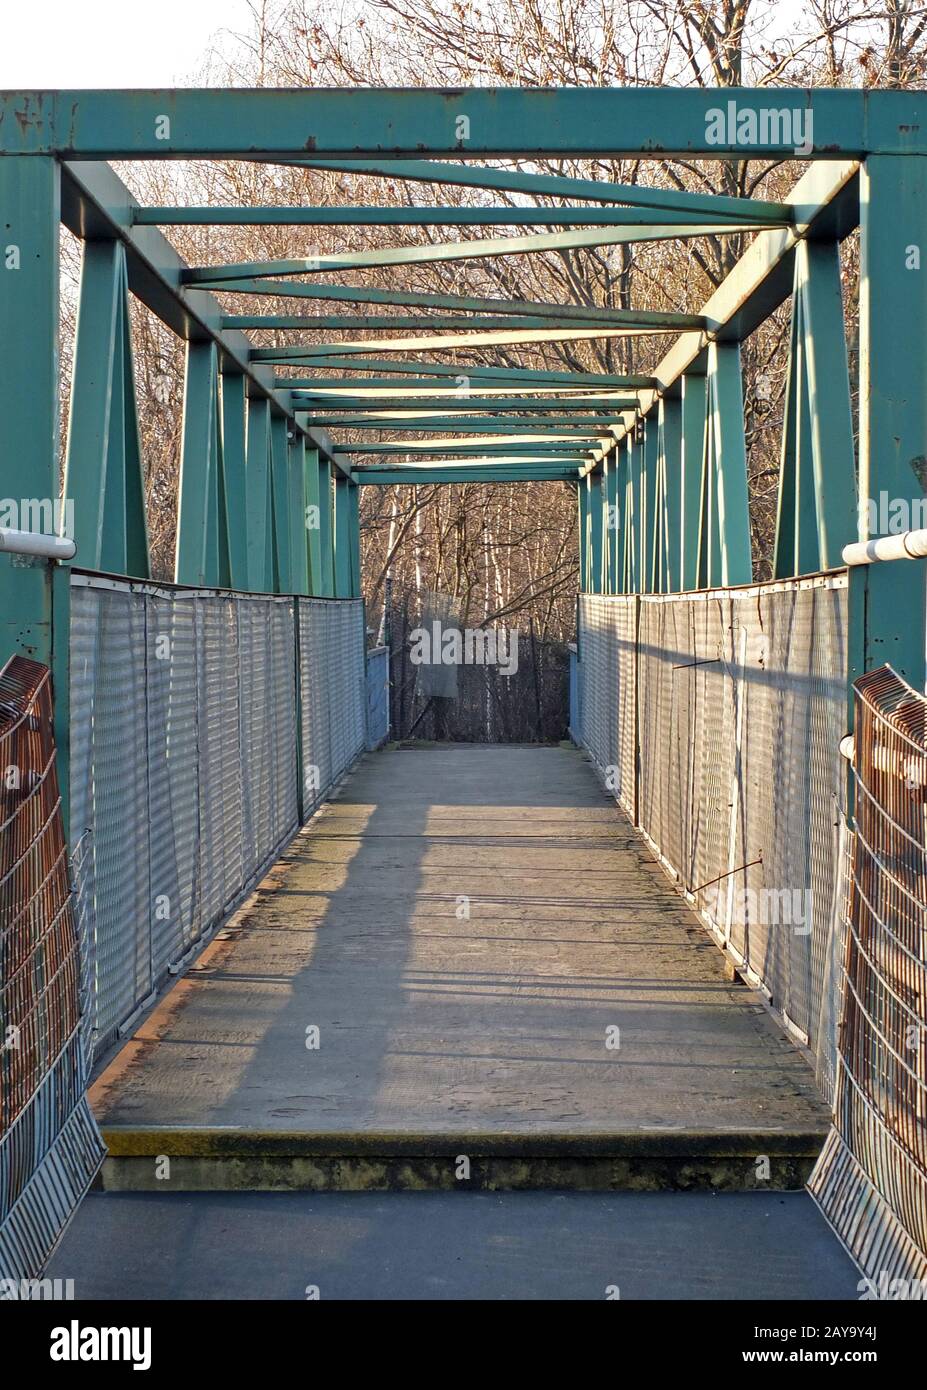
(672, 502)
(648, 502)
(693, 424)
(258, 498)
(280, 497)
(342, 531)
(730, 553)
(326, 531)
(828, 378)
(202, 555)
(582, 522)
(103, 472)
(299, 536)
(893, 402)
(612, 520)
(313, 520)
(354, 538)
(619, 542)
(234, 454)
(632, 513)
(29, 229)
(594, 503)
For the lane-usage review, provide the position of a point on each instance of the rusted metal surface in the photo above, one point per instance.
(47, 1137)
(872, 1178)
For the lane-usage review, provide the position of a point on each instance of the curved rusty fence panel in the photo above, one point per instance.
(871, 1179)
(50, 1148)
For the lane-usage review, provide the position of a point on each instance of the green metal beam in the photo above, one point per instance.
(371, 294)
(281, 502)
(493, 424)
(29, 232)
(462, 473)
(892, 409)
(103, 472)
(234, 460)
(467, 123)
(694, 423)
(202, 554)
(452, 323)
(476, 216)
(259, 537)
(669, 450)
(529, 378)
(431, 342)
(343, 540)
(455, 445)
(482, 248)
(461, 405)
(559, 186)
(298, 503)
(326, 529)
(96, 205)
(725, 546)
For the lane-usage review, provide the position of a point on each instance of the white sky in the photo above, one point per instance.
(111, 43)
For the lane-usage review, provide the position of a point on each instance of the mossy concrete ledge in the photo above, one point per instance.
(188, 1160)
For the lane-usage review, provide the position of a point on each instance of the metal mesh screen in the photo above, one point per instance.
(607, 684)
(734, 702)
(377, 696)
(333, 691)
(871, 1179)
(183, 771)
(50, 1148)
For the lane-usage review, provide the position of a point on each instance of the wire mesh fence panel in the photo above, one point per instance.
(377, 696)
(173, 766)
(50, 1148)
(871, 1179)
(110, 792)
(183, 772)
(740, 707)
(314, 698)
(280, 619)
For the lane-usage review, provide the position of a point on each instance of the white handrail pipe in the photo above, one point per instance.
(36, 543)
(907, 545)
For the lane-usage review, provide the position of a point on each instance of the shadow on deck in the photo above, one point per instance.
(466, 928)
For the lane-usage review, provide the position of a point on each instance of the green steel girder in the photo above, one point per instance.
(418, 216)
(454, 323)
(481, 248)
(560, 186)
(576, 425)
(326, 528)
(96, 205)
(462, 473)
(234, 447)
(29, 233)
(694, 422)
(529, 378)
(817, 477)
(555, 444)
(324, 352)
(468, 123)
(725, 555)
(202, 552)
(372, 294)
(669, 494)
(261, 562)
(610, 476)
(462, 404)
(892, 411)
(103, 473)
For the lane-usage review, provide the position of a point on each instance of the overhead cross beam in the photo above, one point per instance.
(467, 123)
(213, 276)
